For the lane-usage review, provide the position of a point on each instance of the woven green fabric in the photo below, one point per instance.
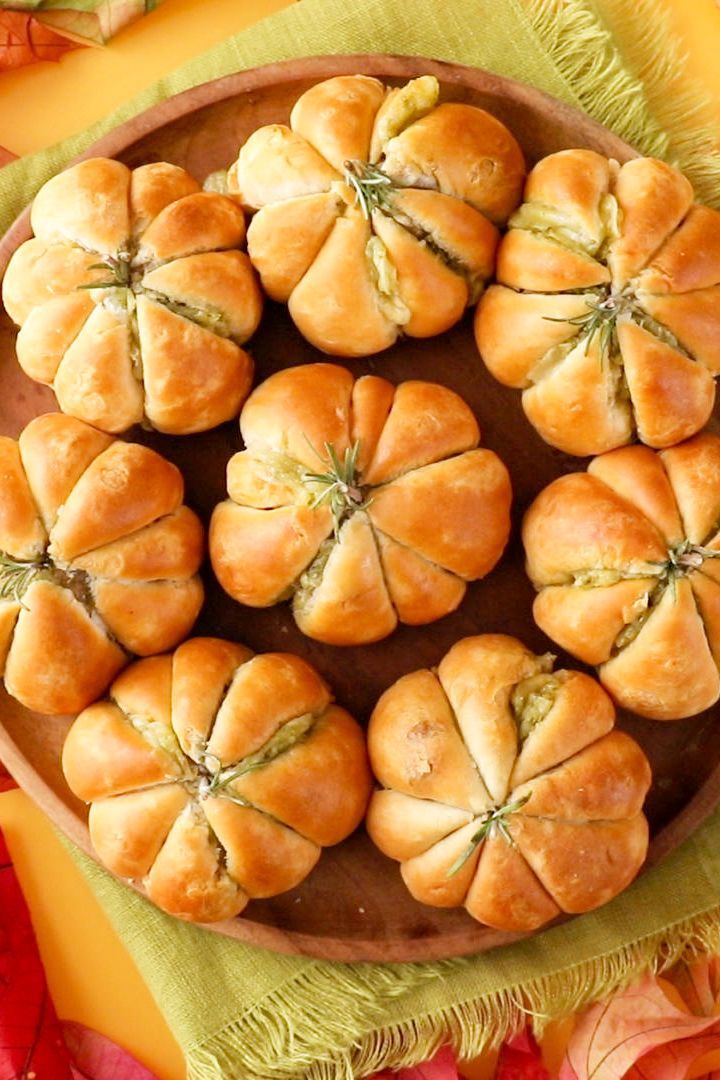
(242, 1012)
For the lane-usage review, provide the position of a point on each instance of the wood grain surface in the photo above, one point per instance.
(354, 905)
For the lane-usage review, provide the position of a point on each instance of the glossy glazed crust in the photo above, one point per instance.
(574, 181)
(570, 787)
(160, 335)
(634, 355)
(337, 117)
(193, 378)
(578, 524)
(162, 764)
(623, 560)
(469, 153)
(319, 303)
(60, 658)
(284, 239)
(414, 448)
(354, 281)
(114, 557)
(85, 205)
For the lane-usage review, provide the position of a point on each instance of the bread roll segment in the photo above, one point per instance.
(605, 314)
(623, 558)
(86, 205)
(215, 776)
(337, 117)
(40, 271)
(464, 152)
(561, 827)
(362, 502)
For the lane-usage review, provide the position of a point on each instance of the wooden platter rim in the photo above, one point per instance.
(463, 941)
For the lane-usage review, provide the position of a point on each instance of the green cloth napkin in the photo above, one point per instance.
(239, 1011)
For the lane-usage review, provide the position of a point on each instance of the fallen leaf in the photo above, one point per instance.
(630, 1029)
(97, 22)
(440, 1067)
(95, 1057)
(30, 1038)
(6, 780)
(24, 40)
(671, 1061)
(698, 984)
(520, 1059)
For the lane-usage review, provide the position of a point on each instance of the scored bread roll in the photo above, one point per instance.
(98, 560)
(133, 298)
(376, 210)
(504, 788)
(215, 776)
(606, 308)
(336, 498)
(624, 558)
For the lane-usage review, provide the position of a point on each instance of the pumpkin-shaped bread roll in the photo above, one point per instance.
(626, 558)
(98, 560)
(365, 503)
(606, 311)
(504, 787)
(133, 298)
(376, 209)
(216, 776)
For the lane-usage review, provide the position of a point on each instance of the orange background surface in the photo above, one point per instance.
(92, 979)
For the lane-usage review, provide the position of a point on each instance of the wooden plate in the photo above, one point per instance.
(354, 905)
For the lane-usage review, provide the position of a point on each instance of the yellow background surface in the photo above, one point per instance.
(91, 977)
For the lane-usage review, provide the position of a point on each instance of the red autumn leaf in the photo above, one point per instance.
(30, 1039)
(671, 1062)
(631, 1028)
(24, 40)
(6, 780)
(520, 1059)
(95, 1057)
(440, 1067)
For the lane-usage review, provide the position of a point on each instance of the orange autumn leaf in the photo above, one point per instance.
(640, 1034)
(698, 985)
(24, 40)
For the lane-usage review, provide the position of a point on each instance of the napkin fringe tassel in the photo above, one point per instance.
(265, 1045)
(629, 71)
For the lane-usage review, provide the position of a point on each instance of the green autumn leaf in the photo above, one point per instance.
(93, 21)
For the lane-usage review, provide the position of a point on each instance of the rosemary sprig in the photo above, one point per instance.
(119, 267)
(492, 820)
(371, 185)
(16, 576)
(287, 736)
(600, 319)
(340, 489)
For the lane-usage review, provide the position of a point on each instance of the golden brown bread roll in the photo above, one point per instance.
(606, 311)
(504, 787)
(376, 209)
(624, 560)
(98, 560)
(366, 503)
(133, 300)
(216, 776)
